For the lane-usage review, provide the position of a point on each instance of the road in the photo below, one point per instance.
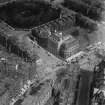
(83, 94)
(46, 56)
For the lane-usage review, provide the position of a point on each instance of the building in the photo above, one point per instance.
(55, 36)
(63, 44)
(41, 96)
(41, 36)
(59, 43)
(69, 47)
(99, 76)
(98, 97)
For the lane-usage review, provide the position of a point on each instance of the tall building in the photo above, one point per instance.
(59, 43)
(69, 47)
(62, 44)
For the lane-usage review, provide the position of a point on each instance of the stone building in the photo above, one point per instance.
(40, 97)
(63, 44)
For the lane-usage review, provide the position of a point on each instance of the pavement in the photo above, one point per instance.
(47, 57)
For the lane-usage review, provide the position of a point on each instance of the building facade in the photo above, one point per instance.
(69, 47)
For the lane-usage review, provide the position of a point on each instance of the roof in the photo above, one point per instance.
(70, 42)
(40, 95)
(64, 35)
